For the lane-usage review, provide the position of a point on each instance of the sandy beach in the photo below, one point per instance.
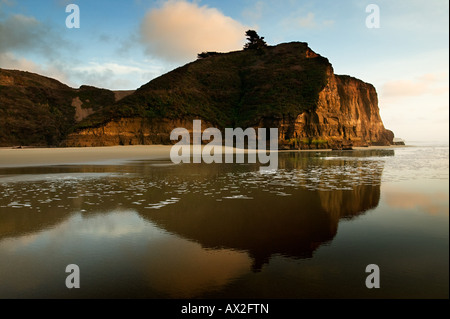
(103, 155)
(14, 157)
(83, 155)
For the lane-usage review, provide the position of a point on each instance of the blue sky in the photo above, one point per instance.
(124, 44)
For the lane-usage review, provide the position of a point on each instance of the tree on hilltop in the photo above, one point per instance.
(255, 42)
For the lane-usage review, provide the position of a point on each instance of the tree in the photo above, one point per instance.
(255, 42)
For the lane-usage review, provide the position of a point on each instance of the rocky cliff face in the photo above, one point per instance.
(131, 131)
(347, 115)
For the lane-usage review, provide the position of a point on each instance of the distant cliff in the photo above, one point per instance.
(286, 86)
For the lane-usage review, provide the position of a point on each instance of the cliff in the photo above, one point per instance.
(286, 86)
(346, 115)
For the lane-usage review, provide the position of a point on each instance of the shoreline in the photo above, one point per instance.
(105, 155)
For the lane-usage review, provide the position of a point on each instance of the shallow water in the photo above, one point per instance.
(150, 229)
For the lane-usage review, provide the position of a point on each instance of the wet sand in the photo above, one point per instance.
(82, 155)
(19, 157)
(102, 155)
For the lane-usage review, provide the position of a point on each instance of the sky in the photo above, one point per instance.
(123, 44)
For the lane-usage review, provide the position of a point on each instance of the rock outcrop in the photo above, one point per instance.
(287, 86)
(129, 131)
(347, 115)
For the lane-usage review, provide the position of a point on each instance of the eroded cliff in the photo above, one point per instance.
(287, 86)
(346, 115)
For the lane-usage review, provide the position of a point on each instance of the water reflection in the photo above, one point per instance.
(294, 226)
(172, 267)
(175, 230)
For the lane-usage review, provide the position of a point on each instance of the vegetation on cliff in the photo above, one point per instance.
(37, 110)
(229, 90)
(286, 86)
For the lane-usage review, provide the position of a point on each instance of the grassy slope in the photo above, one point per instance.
(36, 110)
(228, 90)
(233, 89)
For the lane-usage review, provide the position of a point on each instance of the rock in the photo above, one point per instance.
(342, 114)
(287, 86)
(399, 142)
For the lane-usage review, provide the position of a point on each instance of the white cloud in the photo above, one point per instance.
(430, 83)
(110, 75)
(115, 68)
(308, 21)
(9, 61)
(179, 30)
(113, 75)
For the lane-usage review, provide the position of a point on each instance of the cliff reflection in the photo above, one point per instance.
(263, 223)
(227, 206)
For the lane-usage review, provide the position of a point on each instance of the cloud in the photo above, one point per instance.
(9, 61)
(431, 83)
(20, 33)
(179, 30)
(106, 67)
(112, 75)
(255, 12)
(308, 21)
